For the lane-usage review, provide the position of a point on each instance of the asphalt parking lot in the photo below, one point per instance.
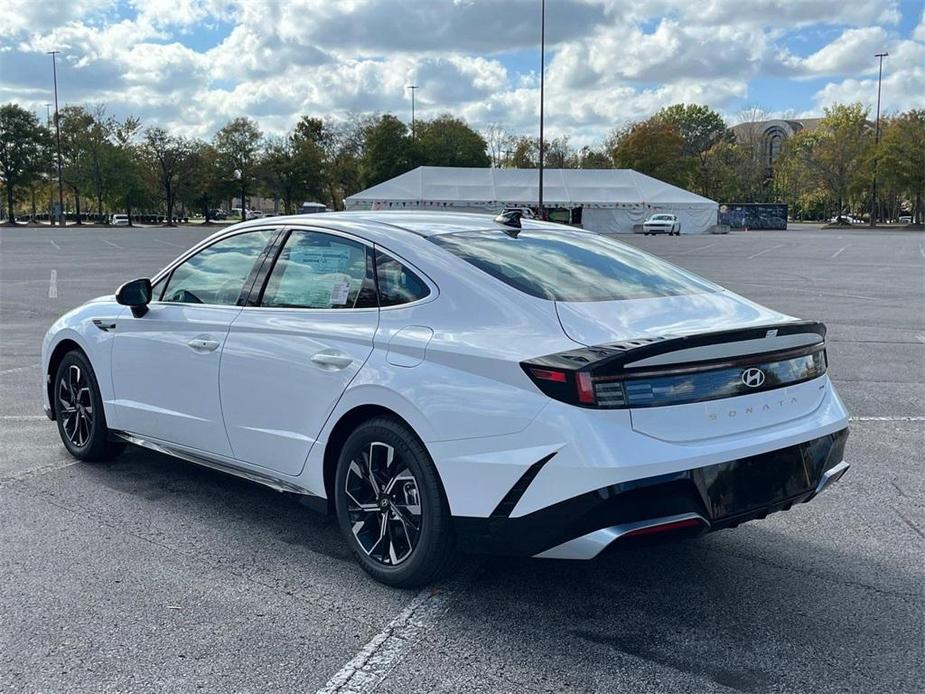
(154, 575)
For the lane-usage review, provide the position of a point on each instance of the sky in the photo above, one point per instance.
(192, 65)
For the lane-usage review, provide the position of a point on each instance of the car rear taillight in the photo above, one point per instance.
(610, 376)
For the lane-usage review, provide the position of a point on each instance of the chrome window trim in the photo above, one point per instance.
(202, 245)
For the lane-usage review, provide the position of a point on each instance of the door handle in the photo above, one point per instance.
(203, 344)
(332, 360)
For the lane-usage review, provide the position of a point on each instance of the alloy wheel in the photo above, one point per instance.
(75, 405)
(383, 504)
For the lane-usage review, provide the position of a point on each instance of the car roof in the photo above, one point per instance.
(419, 223)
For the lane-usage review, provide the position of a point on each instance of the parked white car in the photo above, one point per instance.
(442, 381)
(662, 224)
(119, 220)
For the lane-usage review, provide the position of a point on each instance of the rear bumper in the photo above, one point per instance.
(694, 501)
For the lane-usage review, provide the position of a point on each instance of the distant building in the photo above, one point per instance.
(771, 135)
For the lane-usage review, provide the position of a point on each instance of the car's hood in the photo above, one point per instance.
(601, 322)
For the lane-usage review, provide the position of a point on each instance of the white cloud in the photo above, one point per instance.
(608, 61)
(919, 33)
(903, 83)
(851, 53)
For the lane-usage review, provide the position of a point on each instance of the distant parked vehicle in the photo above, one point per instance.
(662, 224)
(905, 219)
(248, 214)
(312, 208)
(119, 220)
(217, 214)
(845, 219)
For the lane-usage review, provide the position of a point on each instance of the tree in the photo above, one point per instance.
(344, 151)
(722, 164)
(76, 124)
(448, 141)
(832, 156)
(238, 145)
(168, 156)
(499, 142)
(525, 153)
(202, 186)
(22, 140)
(589, 158)
(387, 150)
(653, 147)
(901, 158)
(130, 190)
(558, 154)
(101, 172)
(701, 128)
(751, 166)
(291, 168)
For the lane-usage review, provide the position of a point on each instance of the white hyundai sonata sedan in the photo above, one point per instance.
(447, 382)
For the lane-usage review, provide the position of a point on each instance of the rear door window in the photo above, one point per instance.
(571, 266)
(321, 271)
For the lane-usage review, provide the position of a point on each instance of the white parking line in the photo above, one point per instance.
(766, 250)
(887, 419)
(376, 659)
(839, 251)
(21, 417)
(167, 243)
(53, 243)
(698, 248)
(16, 369)
(53, 285)
(114, 245)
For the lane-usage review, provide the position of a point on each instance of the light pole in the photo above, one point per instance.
(54, 72)
(412, 87)
(51, 173)
(874, 204)
(542, 85)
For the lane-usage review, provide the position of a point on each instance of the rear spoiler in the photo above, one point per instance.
(619, 356)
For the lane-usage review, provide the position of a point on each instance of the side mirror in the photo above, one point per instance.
(136, 294)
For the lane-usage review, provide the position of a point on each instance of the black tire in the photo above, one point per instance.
(391, 542)
(79, 411)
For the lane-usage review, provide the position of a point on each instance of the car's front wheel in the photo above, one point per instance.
(79, 412)
(390, 505)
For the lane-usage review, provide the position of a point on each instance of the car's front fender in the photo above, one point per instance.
(91, 328)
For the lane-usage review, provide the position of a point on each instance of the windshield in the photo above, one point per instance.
(571, 266)
(662, 217)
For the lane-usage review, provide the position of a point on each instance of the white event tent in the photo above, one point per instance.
(609, 200)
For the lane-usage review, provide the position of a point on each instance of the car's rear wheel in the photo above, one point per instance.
(390, 505)
(79, 411)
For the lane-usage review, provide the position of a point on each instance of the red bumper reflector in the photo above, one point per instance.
(665, 527)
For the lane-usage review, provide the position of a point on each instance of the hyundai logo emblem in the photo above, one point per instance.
(753, 377)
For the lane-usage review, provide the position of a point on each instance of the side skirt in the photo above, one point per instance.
(316, 503)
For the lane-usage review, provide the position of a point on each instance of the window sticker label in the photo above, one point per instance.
(321, 260)
(339, 292)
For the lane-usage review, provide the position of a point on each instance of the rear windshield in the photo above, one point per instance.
(571, 266)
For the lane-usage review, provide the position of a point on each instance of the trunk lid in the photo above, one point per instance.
(702, 344)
